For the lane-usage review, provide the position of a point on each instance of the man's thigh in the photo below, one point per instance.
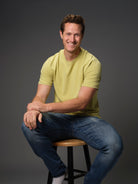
(95, 132)
(55, 126)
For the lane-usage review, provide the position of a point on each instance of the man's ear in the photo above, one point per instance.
(61, 35)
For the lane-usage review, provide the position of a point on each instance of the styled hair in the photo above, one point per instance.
(77, 19)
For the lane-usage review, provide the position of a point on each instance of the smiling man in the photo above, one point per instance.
(75, 74)
(71, 37)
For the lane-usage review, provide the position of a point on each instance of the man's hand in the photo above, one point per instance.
(30, 118)
(37, 106)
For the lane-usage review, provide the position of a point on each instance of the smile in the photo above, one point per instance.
(71, 44)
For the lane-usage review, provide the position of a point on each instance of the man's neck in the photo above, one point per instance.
(70, 56)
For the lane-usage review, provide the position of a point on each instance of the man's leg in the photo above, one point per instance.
(103, 137)
(40, 139)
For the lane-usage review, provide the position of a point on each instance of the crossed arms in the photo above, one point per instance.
(38, 105)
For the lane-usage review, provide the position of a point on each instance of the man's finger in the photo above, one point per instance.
(34, 122)
(40, 117)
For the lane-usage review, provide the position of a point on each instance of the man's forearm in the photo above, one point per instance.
(42, 93)
(59, 107)
(38, 99)
(67, 106)
(73, 105)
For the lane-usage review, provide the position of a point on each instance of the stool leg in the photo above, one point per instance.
(70, 166)
(49, 181)
(87, 156)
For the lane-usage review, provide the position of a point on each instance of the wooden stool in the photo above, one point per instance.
(69, 144)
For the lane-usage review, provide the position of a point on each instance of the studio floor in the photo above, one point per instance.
(40, 177)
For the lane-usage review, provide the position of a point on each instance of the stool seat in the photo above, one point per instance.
(70, 142)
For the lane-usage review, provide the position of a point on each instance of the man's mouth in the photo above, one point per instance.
(71, 44)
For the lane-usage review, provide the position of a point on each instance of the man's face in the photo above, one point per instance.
(71, 37)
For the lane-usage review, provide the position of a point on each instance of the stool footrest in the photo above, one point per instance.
(81, 174)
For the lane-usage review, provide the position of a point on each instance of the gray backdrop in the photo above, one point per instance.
(29, 35)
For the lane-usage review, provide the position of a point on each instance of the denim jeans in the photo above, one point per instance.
(96, 132)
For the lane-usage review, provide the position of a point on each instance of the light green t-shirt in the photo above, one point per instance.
(69, 76)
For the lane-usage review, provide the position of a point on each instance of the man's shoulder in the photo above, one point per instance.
(55, 56)
(52, 60)
(89, 57)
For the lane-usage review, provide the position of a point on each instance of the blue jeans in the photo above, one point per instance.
(96, 132)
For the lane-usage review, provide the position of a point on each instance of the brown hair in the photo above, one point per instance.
(77, 19)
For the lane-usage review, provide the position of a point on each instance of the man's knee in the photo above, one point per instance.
(31, 137)
(118, 146)
(24, 128)
(115, 145)
(27, 132)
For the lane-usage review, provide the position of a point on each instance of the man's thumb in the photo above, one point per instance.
(40, 117)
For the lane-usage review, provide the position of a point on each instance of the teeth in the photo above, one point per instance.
(71, 43)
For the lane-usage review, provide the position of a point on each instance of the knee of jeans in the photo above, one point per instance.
(30, 136)
(27, 132)
(115, 145)
(113, 142)
(24, 128)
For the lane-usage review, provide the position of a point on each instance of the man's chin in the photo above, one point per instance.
(73, 50)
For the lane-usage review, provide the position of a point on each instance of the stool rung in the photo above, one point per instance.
(82, 173)
(77, 170)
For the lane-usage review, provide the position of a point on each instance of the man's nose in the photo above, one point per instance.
(72, 39)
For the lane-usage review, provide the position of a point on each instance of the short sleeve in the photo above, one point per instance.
(46, 76)
(92, 74)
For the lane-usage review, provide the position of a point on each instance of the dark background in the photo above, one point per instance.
(29, 35)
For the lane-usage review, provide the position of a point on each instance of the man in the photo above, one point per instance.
(75, 74)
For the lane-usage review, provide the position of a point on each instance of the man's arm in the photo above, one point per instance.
(31, 116)
(76, 104)
(42, 93)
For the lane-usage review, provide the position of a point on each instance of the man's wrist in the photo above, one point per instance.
(48, 107)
